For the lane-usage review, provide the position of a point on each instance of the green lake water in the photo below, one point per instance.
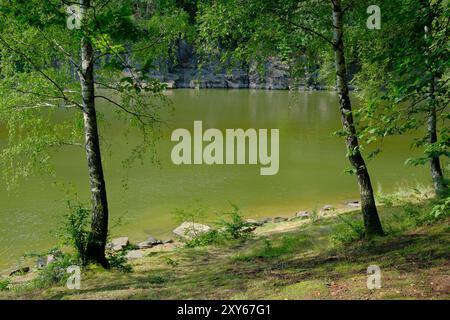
(311, 172)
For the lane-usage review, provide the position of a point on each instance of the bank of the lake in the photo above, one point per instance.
(318, 258)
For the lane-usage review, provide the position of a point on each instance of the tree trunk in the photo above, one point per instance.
(372, 222)
(435, 165)
(95, 251)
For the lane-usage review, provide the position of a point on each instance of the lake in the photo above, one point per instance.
(311, 170)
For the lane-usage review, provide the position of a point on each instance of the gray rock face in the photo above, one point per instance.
(186, 73)
(189, 230)
(118, 244)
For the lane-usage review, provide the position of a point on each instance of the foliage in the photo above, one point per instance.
(404, 76)
(192, 214)
(39, 84)
(75, 231)
(211, 237)
(234, 228)
(441, 209)
(231, 228)
(347, 230)
(55, 273)
(314, 215)
(117, 260)
(4, 284)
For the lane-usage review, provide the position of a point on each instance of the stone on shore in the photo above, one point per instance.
(20, 271)
(266, 220)
(150, 242)
(302, 214)
(248, 229)
(252, 222)
(189, 230)
(118, 244)
(279, 219)
(328, 207)
(354, 204)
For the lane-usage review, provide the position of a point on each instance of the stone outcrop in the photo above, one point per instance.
(186, 73)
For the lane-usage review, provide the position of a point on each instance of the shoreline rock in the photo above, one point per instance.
(189, 230)
(118, 244)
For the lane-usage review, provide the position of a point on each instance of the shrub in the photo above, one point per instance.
(56, 271)
(441, 209)
(347, 231)
(192, 214)
(4, 284)
(235, 227)
(232, 228)
(118, 260)
(75, 230)
(206, 239)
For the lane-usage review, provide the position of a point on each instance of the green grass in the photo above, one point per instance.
(326, 259)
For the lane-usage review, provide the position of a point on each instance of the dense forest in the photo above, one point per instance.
(68, 57)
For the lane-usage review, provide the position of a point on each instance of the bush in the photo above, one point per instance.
(75, 231)
(206, 239)
(192, 214)
(4, 284)
(235, 227)
(117, 260)
(56, 271)
(347, 231)
(441, 209)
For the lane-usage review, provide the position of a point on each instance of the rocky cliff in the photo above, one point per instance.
(187, 74)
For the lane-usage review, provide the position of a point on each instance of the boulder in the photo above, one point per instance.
(328, 207)
(252, 222)
(144, 245)
(134, 254)
(189, 230)
(248, 229)
(354, 204)
(50, 258)
(118, 244)
(167, 241)
(41, 262)
(302, 214)
(266, 220)
(153, 240)
(20, 271)
(279, 219)
(150, 242)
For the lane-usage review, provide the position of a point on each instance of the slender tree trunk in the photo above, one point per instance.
(435, 164)
(95, 251)
(372, 222)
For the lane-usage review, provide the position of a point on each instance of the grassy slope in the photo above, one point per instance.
(300, 264)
